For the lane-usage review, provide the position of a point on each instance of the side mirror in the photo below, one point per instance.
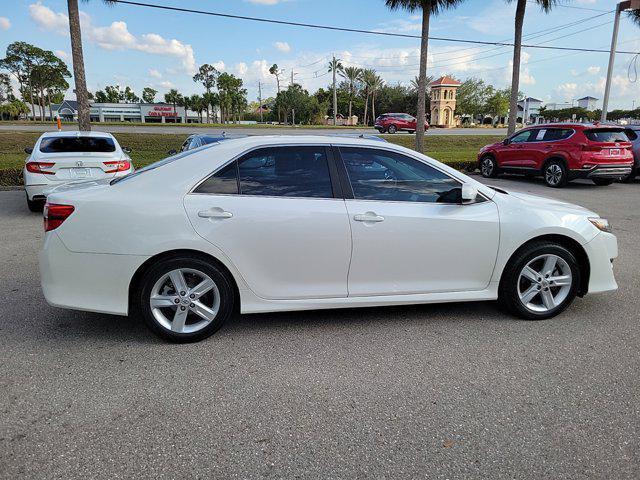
(28, 150)
(506, 141)
(126, 149)
(469, 193)
(172, 152)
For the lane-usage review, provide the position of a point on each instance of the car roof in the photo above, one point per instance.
(575, 125)
(76, 133)
(329, 139)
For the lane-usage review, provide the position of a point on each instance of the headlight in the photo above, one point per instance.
(601, 223)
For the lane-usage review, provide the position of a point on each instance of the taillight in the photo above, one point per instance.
(40, 167)
(55, 214)
(118, 166)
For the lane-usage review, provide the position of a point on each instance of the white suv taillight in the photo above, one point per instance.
(54, 214)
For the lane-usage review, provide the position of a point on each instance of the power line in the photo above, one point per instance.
(575, 7)
(355, 30)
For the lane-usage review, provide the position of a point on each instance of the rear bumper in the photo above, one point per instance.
(37, 185)
(86, 281)
(612, 171)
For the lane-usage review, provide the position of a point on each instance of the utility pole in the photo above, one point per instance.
(612, 53)
(335, 94)
(260, 99)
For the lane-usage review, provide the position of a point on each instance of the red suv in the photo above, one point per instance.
(395, 122)
(560, 153)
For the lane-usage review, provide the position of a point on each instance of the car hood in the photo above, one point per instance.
(545, 203)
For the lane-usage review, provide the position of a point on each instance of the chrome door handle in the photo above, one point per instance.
(368, 217)
(215, 213)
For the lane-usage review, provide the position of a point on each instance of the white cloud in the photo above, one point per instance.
(241, 69)
(115, 36)
(5, 24)
(166, 84)
(219, 65)
(593, 70)
(62, 54)
(283, 46)
(154, 73)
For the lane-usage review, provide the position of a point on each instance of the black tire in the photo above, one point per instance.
(488, 166)
(555, 174)
(148, 280)
(602, 182)
(411, 132)
(508, 296)
(392, 129)
(35, 205)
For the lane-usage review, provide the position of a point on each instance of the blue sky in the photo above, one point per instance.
(136, 46)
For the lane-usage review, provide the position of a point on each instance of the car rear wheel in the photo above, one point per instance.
(185, 299)
(35, 205)
(555, 174)
(392, 129)
(602, 182)
(488, 167)
(412, 132)
(540, 281)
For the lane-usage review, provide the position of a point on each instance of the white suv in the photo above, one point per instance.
(62, 157)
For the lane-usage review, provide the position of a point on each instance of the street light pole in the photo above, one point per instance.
(612, 53)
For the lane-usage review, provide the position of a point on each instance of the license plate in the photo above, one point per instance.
(80, 172)
(614, 152)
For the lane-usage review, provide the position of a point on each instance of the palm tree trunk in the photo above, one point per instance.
(84, 120)
(50, 110)
(366, 108)
(515, 78)
(373, 106)
(422, 80)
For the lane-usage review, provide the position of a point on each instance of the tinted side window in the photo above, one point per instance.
(383, 175)
(286, 172)
(522, 137)
(224, 181)
(555, 134)
(632, 134)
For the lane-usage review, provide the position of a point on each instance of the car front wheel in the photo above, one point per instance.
(392, 129)
(488, 167)
(540, 281)
(185, 299)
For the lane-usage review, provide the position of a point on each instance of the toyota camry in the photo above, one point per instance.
(281, 223)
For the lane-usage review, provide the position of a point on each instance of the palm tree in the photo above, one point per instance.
(634, 15)
(521, 6)
(428, 7)
(82, 96)
(368, 79)
(376, 85)
(353, 76)
(197, 105)
(185, 102)
(335, 67)
(173, 97)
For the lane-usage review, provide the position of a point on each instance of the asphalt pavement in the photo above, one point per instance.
(240, 130)
(435, 391)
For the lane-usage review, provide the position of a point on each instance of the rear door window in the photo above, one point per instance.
(631, 134)
(608, 135)
(556, 134)
(77, 144)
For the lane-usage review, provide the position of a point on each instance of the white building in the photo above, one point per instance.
(529, 109)
(588, 103)
(558, 105)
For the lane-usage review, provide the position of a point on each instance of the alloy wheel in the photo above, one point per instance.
(553, 174)
(544, 283)
(185, 300)
(487, 167)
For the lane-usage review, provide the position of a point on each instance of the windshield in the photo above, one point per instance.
(77, 144)
(160, 163)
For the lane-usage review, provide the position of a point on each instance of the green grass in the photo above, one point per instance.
(456, 150)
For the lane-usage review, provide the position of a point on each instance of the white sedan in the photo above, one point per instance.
(62, 157)
(266, 224)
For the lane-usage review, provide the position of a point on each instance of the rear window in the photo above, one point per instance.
(606, 135)
(77, 144)
(632, 134)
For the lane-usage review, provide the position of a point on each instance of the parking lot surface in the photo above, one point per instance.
(432, 391)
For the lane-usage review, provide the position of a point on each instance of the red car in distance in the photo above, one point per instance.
(560, 153)
(397, 122)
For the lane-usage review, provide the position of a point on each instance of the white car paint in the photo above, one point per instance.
(299, 254)
(70, 167)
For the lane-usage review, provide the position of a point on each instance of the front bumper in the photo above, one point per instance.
(601, 251)
(604, 171)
